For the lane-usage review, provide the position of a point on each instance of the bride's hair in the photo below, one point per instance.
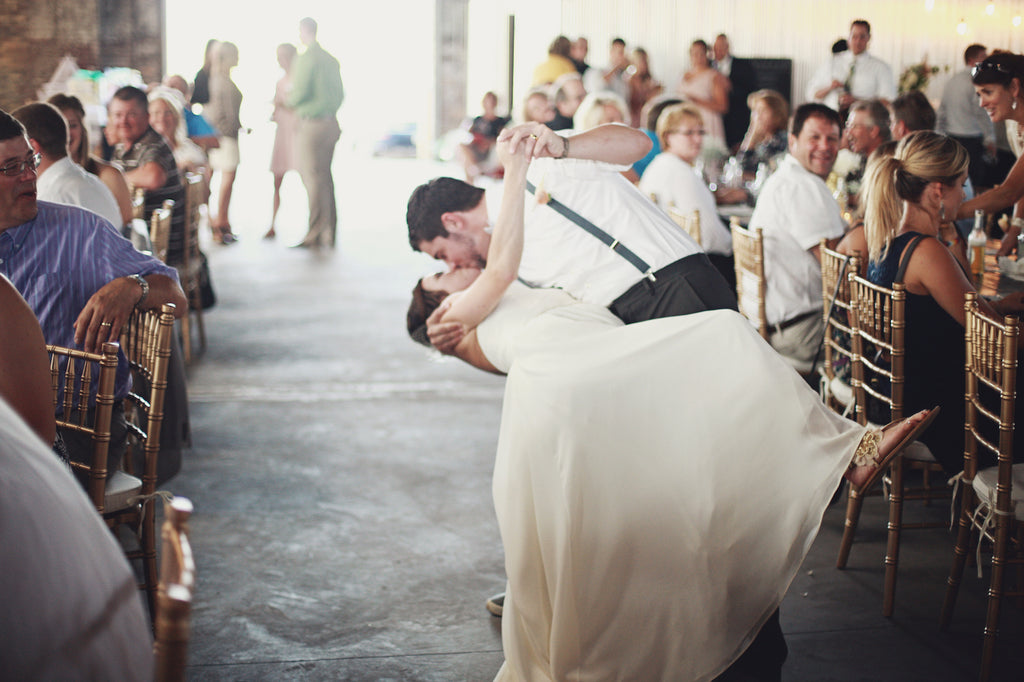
(422, 305)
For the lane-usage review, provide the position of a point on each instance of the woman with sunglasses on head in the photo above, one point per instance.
(999, 82)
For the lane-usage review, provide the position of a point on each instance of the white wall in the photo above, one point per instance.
(904, 32)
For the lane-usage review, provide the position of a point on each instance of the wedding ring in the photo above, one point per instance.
(532, 136)
(104, 324)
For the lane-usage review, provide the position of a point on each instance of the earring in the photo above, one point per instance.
(942, 213)
(1014, 104)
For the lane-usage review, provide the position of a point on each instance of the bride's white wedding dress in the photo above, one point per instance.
(657, 486)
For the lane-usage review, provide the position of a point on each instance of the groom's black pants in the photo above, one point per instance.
(692, 285)
(689, 285)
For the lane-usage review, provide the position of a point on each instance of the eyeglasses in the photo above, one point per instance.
(989, 65)
(15, 168)
(688, 133)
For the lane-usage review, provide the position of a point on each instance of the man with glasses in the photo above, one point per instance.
(796, 210)
(81, 278)
(867, 127)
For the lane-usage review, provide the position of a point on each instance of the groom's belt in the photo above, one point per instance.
(609, 241)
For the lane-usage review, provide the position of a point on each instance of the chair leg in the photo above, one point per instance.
(960, 553)
(892, 550)
(854, 503)
(995, 593)
(149, 569)
(186, 335)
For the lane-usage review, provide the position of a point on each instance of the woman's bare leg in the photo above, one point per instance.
(278, 179)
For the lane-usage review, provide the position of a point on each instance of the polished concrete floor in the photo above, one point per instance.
(344, 528)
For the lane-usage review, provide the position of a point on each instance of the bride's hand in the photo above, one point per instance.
(444, 336)
(536, 139)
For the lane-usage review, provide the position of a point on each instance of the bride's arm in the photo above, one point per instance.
(475, 303)
(612, 143)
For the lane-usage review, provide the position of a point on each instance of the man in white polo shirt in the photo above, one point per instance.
(580, 206)
(796, 210)
(61, 180)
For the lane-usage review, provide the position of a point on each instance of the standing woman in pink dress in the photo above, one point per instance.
(282, 158)
(705, 87)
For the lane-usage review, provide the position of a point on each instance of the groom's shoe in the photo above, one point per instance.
(496, 604)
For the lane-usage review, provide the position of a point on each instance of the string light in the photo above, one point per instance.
(929, 5)
(961, 28)
(1016, 20)
(990, 9)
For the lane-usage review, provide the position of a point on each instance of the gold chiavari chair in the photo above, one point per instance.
(878, 321)
(146, 341)
(748, 252)
(689, 222)
(992, 505)
(174, 596)
(190, 270)
(835, 387)
(160, 229)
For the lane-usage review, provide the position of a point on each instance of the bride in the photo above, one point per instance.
(652, 515)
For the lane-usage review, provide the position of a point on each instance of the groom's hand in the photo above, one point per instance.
(444, 336)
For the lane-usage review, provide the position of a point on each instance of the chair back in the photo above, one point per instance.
(71, 378)
(878, 322)
(194, 199)
(174, 594)
(689, 222)
(146, 340)
(160, 229)
(838, 340)
(748, 252)
(992, 370)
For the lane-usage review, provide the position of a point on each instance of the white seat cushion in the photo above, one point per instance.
(985, 488)
(120, 487)
(841, 391)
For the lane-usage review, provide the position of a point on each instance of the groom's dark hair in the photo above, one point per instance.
(430, 201)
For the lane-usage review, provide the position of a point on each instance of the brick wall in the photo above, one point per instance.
(36, 34)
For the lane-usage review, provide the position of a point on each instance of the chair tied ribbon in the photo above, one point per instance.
(165, 495)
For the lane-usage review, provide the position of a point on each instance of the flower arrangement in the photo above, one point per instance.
(916, 76)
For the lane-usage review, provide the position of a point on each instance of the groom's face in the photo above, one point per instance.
(467, 240)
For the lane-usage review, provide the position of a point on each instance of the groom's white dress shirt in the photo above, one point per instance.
(558, 253)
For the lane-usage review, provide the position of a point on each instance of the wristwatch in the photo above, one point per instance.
(145, 288)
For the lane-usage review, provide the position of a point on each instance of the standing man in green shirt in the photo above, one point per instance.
(316, 95)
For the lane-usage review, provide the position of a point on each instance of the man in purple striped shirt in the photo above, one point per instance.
(81, 278)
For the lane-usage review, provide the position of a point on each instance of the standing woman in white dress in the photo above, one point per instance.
(706, 87)
(652, 516)
(282, 159)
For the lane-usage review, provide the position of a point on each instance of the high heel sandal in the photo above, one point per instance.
(867, 451)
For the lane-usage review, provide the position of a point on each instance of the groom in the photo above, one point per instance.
(588, 231)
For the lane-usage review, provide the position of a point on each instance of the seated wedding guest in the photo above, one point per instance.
(612, 574)
(71, 607)
(911, 112)
(599, 108)
(866, 128)
(198, 128)
(61, 180)
(999, 82)
(766, 139)
(796, 210)
(24, 364)
(569, 94)
(78, 149)
(148, 162)
(102, 277)
(652, 110)
(673, 183)
(642, 85)
(906, 197)
(558, 63)
(165, 115)
(478, 157)
(537, 107)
